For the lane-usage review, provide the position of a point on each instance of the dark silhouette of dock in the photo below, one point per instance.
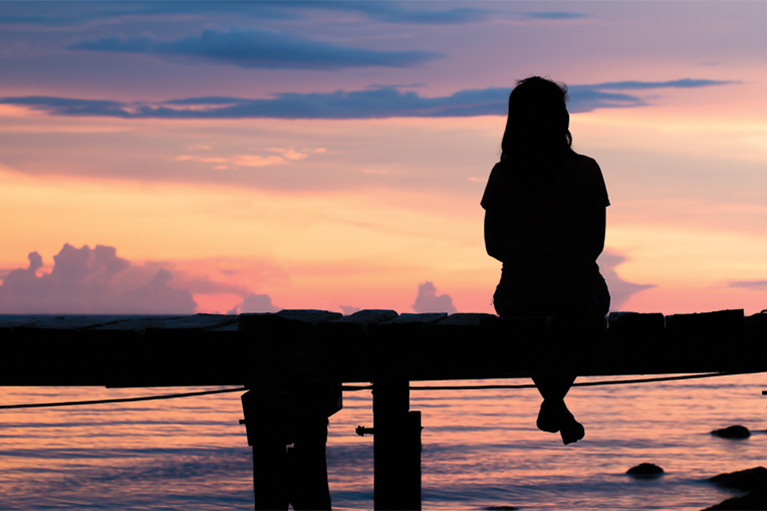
(294, 364)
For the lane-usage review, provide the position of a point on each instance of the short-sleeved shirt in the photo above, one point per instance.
(548, 244)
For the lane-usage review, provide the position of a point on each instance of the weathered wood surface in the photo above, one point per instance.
(369, 345)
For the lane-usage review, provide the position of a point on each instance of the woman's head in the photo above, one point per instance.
(538, 121)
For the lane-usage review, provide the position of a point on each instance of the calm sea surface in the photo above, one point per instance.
(481, 449)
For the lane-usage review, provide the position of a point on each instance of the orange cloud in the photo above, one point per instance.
(286, 155)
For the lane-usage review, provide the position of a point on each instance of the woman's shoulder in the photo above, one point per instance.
(584, 161)
(499, 173)
(586, 167)
(589, 175)
(498, 167)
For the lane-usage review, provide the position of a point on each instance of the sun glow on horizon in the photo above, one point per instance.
(354, 180)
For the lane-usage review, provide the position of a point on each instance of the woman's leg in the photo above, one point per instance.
(554, 386)
(554, 415)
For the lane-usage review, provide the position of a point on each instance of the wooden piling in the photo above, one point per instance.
(287, 415)
(396, 447)
(266, 425)
(289, 440)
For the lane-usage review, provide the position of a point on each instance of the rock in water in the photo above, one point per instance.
(645, 470)
(750, 479)
(754, 500)
(737, 432)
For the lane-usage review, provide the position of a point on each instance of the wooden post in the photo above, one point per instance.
(266, 423)
(287, 410)
(396, 447)
(288, 430)
(309, 488)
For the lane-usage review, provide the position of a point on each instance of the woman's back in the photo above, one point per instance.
(549, 219)
(545, 209)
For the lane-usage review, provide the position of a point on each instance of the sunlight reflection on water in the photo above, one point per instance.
(481, 448)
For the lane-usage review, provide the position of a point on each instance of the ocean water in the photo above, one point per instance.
(481, 449)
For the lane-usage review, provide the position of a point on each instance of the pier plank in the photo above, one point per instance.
(208, 349)
(635, 322)
(707, 322)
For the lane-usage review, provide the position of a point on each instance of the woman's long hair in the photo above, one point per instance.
(537, 128)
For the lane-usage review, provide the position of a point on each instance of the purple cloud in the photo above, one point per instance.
(620, 290)
(348, 310)
(428, 300)
(91, 281)
(387, 12)
(759, 285)
(204, 285)
(392, 12)
(555, 15)
(264, 49)
(255, 303)
(372, 103)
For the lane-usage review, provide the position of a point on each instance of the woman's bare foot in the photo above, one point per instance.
(571, 430)
(550, 415)
(554, 417)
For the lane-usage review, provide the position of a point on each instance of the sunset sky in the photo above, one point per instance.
(181, 157)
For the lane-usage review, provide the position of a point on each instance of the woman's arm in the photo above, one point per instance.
(495, 225)
(598, 225)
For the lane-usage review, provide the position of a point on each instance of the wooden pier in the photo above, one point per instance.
(295, 362)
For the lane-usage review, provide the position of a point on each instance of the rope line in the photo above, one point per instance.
(352, 388)
(577, 384)
(122, 399)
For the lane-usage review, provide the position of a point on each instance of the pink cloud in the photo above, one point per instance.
(348, 309)
(428, 300)
(620, 290)
(223, 283)
(255, 303)
(202, 284)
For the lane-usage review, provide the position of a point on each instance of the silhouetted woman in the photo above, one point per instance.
(545, 209)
